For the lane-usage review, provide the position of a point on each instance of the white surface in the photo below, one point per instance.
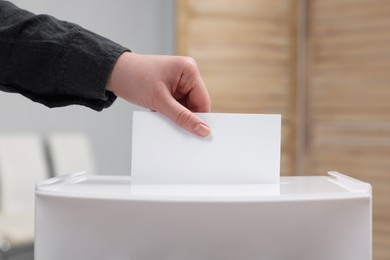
(70, 152)
(81, 185)
(92, 217)
(242, 149)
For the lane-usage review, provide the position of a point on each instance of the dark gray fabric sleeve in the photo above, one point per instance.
(54, 62)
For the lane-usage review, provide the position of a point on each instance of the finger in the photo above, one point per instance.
(184, 117)
(198, 98)
(189, 121)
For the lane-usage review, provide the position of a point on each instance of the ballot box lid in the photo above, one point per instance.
(81, 185)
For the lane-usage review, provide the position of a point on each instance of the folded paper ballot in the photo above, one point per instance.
(242, 149)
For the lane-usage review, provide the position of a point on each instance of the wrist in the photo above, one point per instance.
(113, 78)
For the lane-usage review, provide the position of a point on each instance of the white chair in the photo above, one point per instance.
(22, 164)
(70, 152)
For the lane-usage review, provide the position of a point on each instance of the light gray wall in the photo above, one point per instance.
(145, 26)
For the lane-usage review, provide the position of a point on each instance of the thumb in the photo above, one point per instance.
(184, 118)
(192, 123)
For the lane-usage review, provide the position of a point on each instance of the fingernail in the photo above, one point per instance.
(202, 130)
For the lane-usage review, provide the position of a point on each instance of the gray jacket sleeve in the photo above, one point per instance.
(54, 62)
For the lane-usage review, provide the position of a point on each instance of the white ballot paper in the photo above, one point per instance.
(242, 149)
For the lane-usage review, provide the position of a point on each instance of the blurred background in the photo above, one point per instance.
(322, 64)
(142, 26)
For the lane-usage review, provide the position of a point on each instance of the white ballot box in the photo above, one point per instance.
(82, 217)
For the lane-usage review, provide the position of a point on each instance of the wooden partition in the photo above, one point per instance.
(323, 65)
(348, 99)
(246, 56)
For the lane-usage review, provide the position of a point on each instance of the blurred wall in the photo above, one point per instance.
(144, 27)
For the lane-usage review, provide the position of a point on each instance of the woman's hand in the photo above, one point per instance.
(171, 85)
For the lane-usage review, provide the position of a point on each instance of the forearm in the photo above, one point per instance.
(54, 62)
